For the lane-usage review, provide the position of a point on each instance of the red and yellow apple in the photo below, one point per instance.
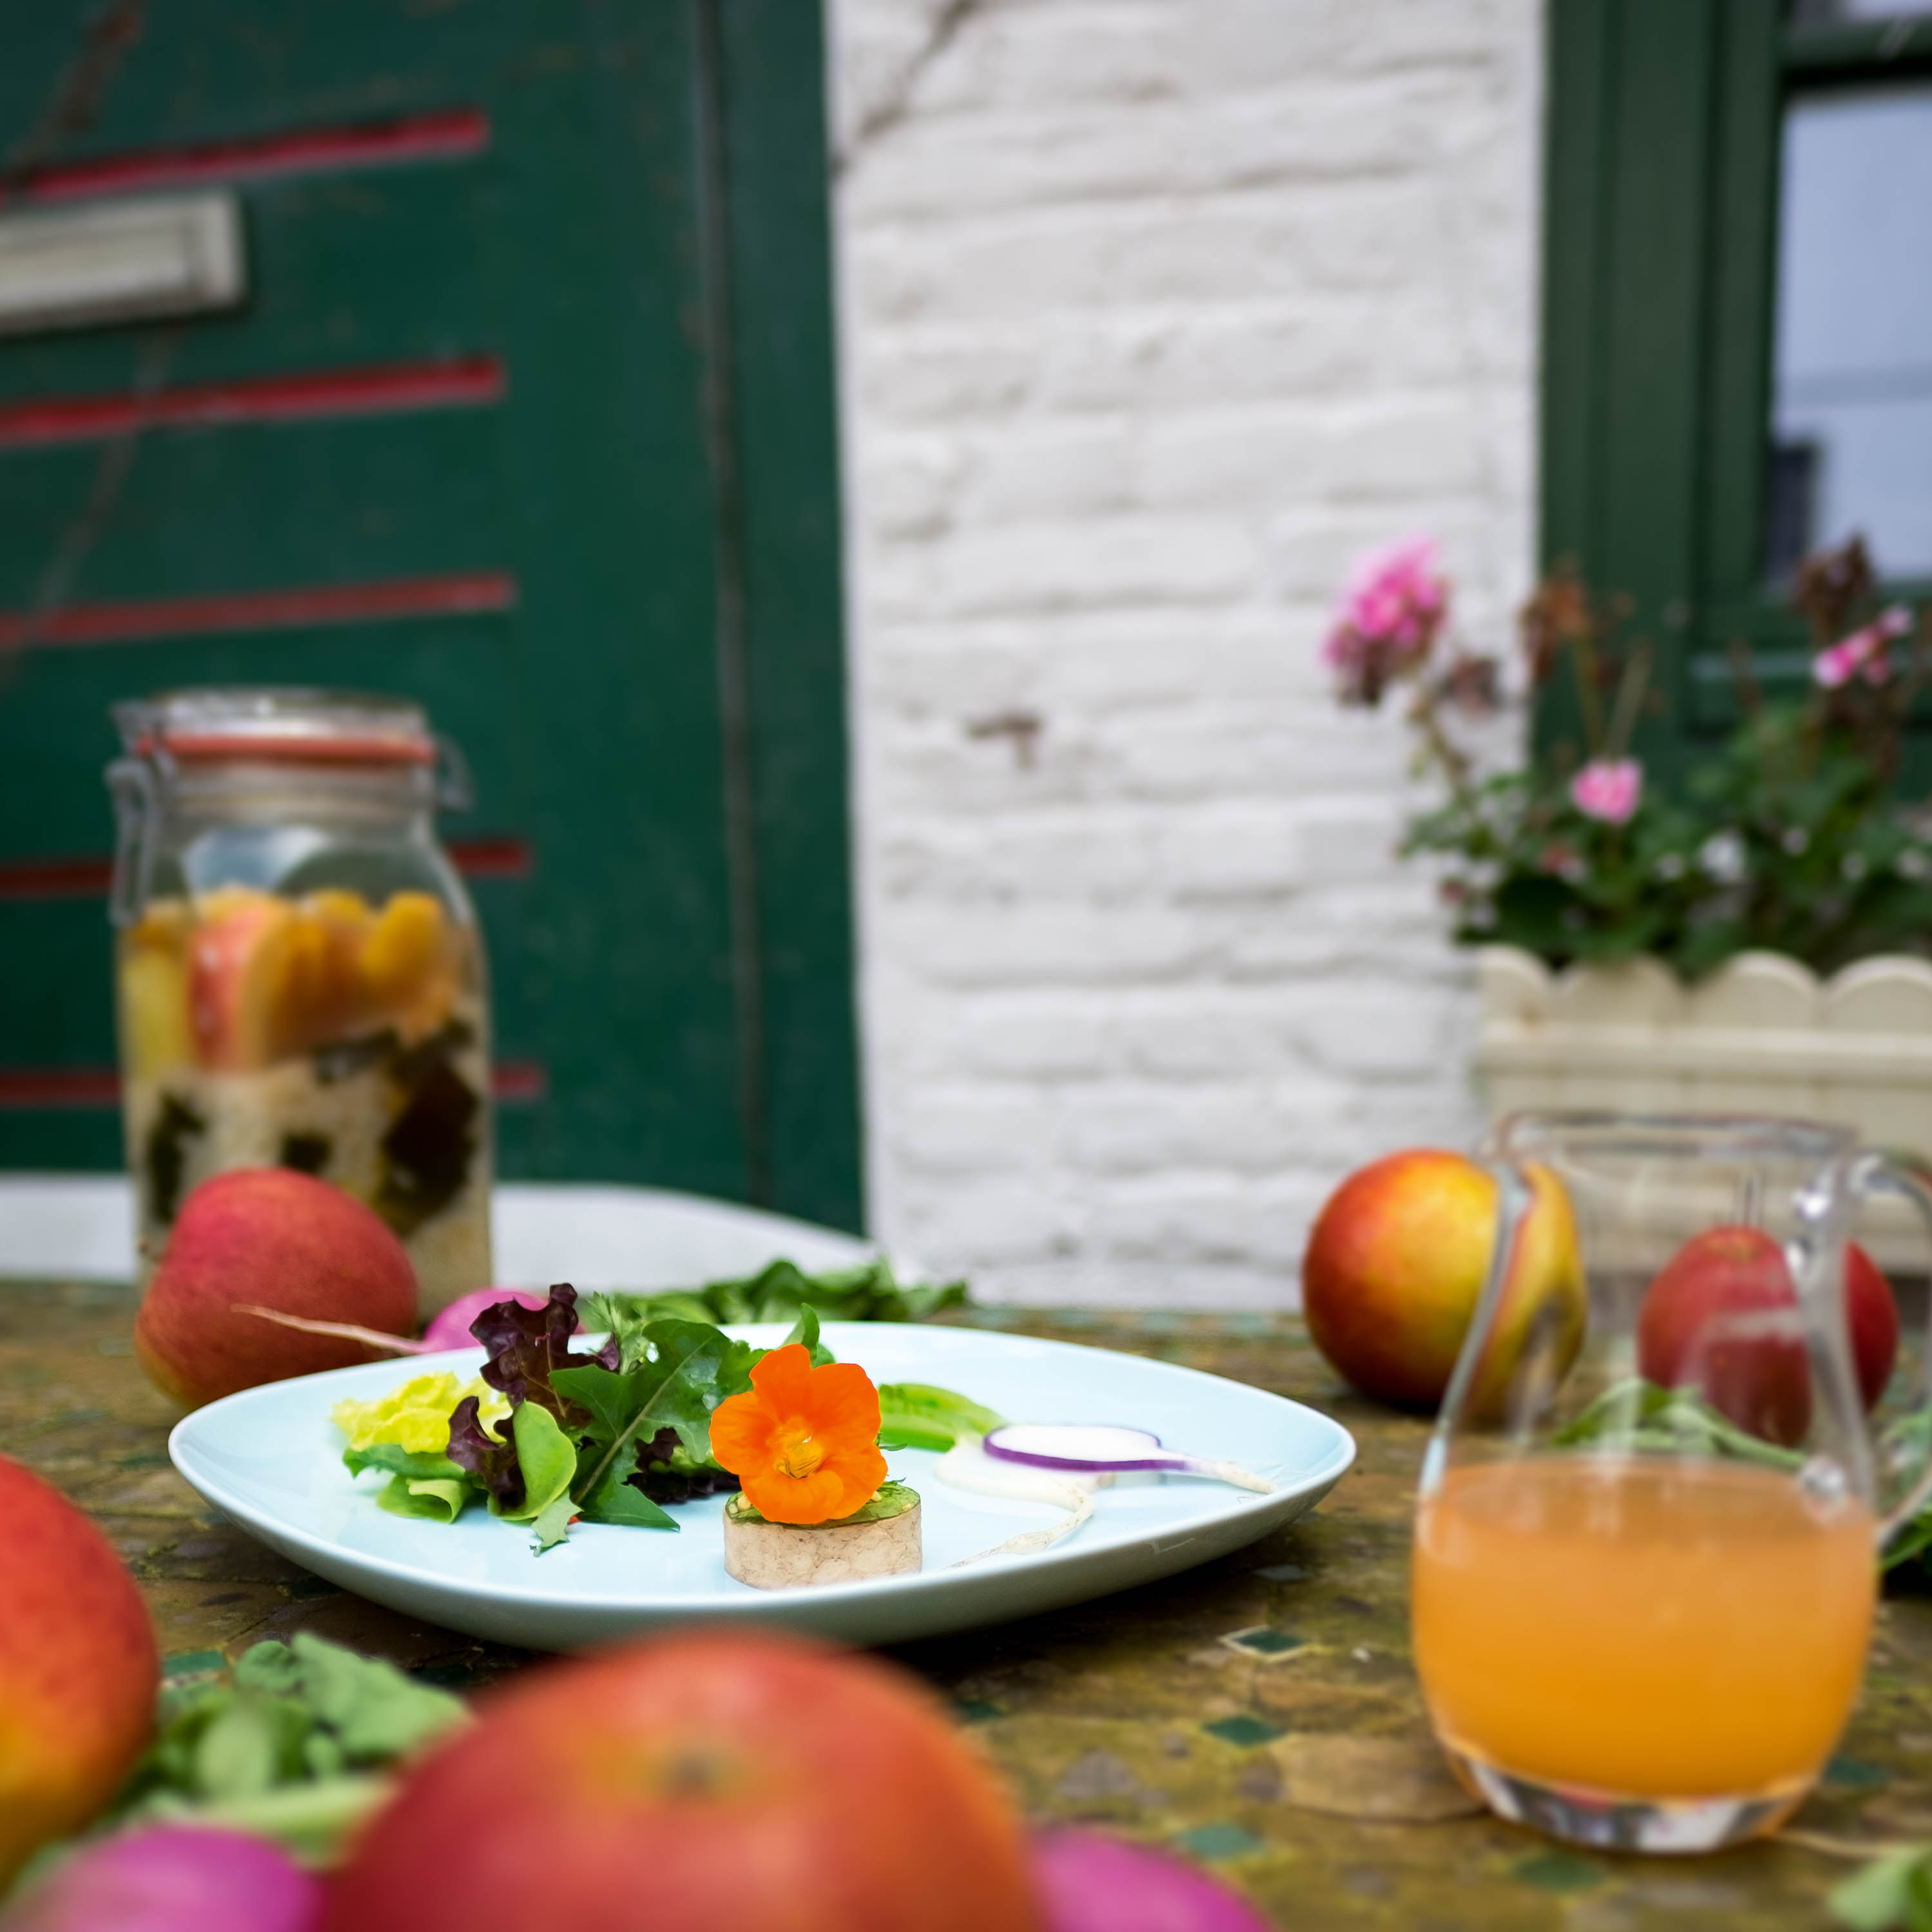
(267, 1237)
(78, 1669)
(1721, 1317)
(700, 1780)
(1396, 1260)
(238, 963)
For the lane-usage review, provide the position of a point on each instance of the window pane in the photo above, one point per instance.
(1852, 396)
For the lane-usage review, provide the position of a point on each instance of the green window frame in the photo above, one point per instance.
(1660, 224)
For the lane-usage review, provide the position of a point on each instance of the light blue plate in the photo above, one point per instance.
(270, 1459)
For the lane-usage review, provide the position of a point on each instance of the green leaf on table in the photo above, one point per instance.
(1640, 1415)
(376, 1711)
(292, 1746)
(1893, 1894)
(254, 1743)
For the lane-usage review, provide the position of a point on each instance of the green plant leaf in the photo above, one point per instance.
(1893, 1894)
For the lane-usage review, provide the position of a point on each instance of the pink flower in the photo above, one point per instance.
(1864, 650)
(1608, 789)
(1395, 603)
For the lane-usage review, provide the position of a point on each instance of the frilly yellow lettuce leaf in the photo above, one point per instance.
(415, 1414)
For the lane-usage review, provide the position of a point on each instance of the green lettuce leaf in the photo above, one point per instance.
(616, 1498)
(915, 1415)
(691, 1368)
(868, 1292)
(430, 1499)
(547, 1457)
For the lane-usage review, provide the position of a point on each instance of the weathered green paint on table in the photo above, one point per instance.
(1300, 1770)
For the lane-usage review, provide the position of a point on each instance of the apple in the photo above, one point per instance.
(707, 1779)
(238, 961)
(1871, 1312)
(1719, 1318)
(273, 1238)
(79, 1669)
(1396, 1260)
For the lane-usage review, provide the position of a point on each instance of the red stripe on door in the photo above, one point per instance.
(34, 879)
(58, 1087)
(417, 137)
(320, 604)
(24, 1088)
(469, 382)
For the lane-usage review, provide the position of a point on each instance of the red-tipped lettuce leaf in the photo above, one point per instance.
(528, 1346)
(490, 1458)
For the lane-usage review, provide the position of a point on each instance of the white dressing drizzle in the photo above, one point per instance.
(967, 1466)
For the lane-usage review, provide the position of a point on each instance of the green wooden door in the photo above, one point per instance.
(1664, 133)
(527, 413)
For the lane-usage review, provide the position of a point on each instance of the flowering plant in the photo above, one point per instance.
(1787, 836)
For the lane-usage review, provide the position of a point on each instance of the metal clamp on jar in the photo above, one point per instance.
(300, 975)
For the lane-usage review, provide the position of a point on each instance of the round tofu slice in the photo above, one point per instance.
(881, 1540)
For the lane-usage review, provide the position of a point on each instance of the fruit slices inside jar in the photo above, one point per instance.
(324, 1034)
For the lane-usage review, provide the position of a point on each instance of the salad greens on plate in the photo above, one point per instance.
(616, 1434)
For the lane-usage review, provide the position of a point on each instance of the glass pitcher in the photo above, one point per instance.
(1645, 1553)
(299, 971)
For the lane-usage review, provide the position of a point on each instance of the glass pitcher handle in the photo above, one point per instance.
(1878, 1174)
(1514, 1196)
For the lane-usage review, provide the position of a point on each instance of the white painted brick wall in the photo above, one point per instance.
(1153, 314)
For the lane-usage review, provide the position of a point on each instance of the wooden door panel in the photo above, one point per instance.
(473, 437)
(207, 511)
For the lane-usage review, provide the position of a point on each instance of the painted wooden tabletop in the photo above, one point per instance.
(1260, 1713)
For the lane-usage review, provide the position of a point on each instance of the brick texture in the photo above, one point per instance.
(1154, 313)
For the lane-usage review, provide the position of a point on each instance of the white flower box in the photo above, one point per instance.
(1762, 1035)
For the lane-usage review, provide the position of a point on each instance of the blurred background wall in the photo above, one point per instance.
(1153, 314)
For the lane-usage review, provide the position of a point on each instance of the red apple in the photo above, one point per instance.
(78, 1669)
(238, 962)
(1720, 1317)
(1871, 1310)
(272, 1238)
(1396, 1260)
(739, 1781)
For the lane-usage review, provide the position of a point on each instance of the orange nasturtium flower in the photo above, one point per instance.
(802, 1440)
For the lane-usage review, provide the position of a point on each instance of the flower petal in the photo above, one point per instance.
(861, 1470)
(783, 1378)
(818, 1498)
(742, 1428)
(843, 1402)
